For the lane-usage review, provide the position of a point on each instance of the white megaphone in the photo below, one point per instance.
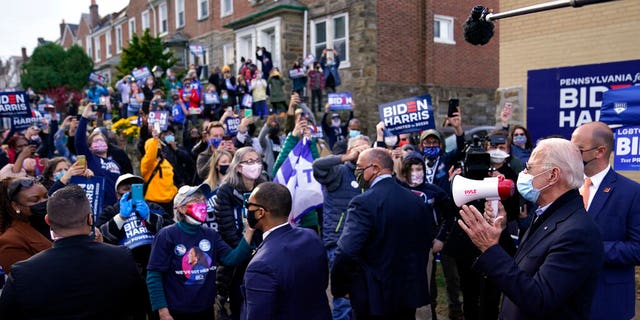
(493, 189)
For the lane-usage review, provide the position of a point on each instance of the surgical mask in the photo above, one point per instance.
(197, 211)
(214, 142)
(498, 156)
(252, 171)
(173, 78)
(251, 218)
(525, 186)
(520, 140)
(362, 183)
(431, 152)
(169, 138)
(353, 133)
(335, 122)
(223, 169)
(59, 175)
(330, 63)
(99, 146)
(417, 178)
(225, 97)
(259, 53)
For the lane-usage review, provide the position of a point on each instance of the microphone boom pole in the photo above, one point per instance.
(541, 7)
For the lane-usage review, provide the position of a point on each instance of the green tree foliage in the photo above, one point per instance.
(144, 51)
(50, 66)
(56, 72)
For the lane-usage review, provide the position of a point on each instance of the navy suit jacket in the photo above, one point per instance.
(77, 278)
(556, 267)
(615, 208)
(287, 278)
(381, 257)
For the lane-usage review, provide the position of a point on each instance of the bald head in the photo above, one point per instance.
(378, 156)
(598, 133)
(595, 142)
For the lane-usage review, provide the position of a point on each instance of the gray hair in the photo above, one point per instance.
(563, 154)
(234, 177)
(355, 139)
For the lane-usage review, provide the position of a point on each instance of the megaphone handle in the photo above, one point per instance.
(494, 206)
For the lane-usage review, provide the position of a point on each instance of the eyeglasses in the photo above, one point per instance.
(247, 204)
(17, 185)
(251, 161)
(529, 166)
(583, 151)
(365, 168)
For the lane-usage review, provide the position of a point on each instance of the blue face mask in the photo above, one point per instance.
(431, 152)
(520, 140)
(59, 175)
(215, 142)
(169, 138)
(354, 133)
(525, 186)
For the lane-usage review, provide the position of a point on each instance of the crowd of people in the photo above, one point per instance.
(208, 234)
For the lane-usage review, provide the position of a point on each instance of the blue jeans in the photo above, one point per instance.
(341, 306)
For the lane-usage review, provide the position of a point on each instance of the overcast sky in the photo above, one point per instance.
(27, 20)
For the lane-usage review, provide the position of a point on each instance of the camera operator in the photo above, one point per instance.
(487, 157)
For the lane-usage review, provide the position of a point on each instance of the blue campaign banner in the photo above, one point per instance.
(232, 124)
(340, 101)
(94, 189)
(627, 148)
(136, 232)
(407, 115)
(15, 105)
(561, 99)
(97, 78)
(141, 74)
(621, 106)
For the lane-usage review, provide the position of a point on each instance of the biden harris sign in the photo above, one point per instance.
(561, 99)
(407, 115)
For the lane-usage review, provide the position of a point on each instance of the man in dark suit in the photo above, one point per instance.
(78, 278)
(381, 259)
(555, 271)
(288, 276)
(613, 202)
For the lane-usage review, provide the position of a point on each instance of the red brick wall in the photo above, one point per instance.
(408, 54)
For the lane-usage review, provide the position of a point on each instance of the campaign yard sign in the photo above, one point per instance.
(561, 99)
(296, 73)
(97, 78)
(232, 124)
(15, 105)
(141, 74)
(627, 148)
(340, 101)
(407, 115)
(94, 189)
(161, 117)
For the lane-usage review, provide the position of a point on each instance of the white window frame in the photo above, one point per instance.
(226, 49)
(226, 11)
(329, 31)
(163, 16)
(88, 41)
(201, 15)
(448, 24)
(96, 48)
(132, 28)
(119, 39)
(107, 43)
(145, 20)
(180, 9)
(257, 34)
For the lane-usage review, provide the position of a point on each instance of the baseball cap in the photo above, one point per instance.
(498, 139)
(335, 115)
(129, 179)
(185, 193)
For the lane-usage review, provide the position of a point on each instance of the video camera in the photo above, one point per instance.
(477, 161)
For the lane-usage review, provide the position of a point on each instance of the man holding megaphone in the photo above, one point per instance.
(555, 270)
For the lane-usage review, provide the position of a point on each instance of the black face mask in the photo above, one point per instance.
(223, 169)
(36, 219)
(251, 218)
(39, 209)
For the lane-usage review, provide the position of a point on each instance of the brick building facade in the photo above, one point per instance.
(389, 49)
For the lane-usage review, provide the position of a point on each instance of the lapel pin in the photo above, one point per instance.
(607, 189)
(545, 228)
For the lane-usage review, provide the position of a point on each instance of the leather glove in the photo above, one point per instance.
(142, 208)
(125, 205)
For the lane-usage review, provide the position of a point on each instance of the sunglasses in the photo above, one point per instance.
(17, 185)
